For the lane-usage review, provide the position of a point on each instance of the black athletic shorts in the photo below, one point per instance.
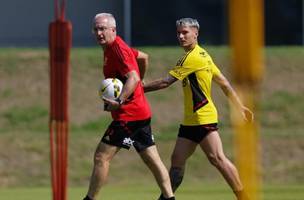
(126, 134)
(196, 133)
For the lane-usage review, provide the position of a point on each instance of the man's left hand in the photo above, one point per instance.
(247, 114)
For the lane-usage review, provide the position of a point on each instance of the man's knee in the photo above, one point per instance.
(150, 156)
(101, 158)
(216, 160)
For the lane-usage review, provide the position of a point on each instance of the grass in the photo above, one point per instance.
(24, 96)
(148, 191)
(26, 117)
(25, 156)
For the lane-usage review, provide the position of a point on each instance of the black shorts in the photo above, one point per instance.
(126, 134)
(196, 133)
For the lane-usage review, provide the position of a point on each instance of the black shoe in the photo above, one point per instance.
(87, 198)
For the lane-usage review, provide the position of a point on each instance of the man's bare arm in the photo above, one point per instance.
(232, 95)
(159, 83)
(142, 61)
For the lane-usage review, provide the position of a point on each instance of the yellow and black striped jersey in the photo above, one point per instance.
(196, 70)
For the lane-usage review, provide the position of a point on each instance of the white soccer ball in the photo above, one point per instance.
(110, 88)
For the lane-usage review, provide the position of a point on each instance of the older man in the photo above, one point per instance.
(130, 111)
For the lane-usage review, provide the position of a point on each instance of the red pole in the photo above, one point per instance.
(60, 42)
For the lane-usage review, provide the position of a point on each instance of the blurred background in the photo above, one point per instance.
(150, 27)
(145, 22)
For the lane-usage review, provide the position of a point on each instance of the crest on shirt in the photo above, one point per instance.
(203, 53)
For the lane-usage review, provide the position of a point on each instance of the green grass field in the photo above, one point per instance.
(189, 191)
(24, 147)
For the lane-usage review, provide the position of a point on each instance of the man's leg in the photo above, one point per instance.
(102, 157)
(152, 159)
(183, 149)
(212, 146)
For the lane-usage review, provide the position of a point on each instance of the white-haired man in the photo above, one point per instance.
(196, 70)
(130, 111)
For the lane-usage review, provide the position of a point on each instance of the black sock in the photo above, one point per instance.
(176, 177)
(87, 198)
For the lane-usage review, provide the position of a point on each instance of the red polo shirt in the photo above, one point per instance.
(119, 59)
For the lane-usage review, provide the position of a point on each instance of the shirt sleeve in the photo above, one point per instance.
(215, 70)
(135, 52)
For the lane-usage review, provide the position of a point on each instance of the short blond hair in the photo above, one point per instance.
(188, 22)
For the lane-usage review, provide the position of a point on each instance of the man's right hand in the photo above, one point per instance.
(110, 105)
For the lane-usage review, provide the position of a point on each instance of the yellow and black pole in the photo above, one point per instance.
(246, 23)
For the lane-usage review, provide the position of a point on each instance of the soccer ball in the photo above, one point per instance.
(110, 88)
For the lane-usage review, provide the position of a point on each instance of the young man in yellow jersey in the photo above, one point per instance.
(196, 70)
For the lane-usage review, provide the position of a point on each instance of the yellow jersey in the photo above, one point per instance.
(196, 70)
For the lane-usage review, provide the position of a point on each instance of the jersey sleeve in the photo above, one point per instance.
(215, 70)
(135, 52)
